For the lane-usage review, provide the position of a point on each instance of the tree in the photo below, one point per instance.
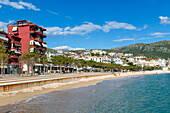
(43, 60)
(30, 59)
(4, 55)
(59, 60)
(92, 54)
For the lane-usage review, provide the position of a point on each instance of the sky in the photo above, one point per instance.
(92, 24)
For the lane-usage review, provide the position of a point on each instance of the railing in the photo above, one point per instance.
(14, 57)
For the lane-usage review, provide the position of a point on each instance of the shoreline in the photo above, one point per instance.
(27, 93)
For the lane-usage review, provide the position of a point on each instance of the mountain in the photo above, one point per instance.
(51, 50)
(154, 50)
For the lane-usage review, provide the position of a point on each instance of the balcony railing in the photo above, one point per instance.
(14, 57)
(37, 32)
(15, 42)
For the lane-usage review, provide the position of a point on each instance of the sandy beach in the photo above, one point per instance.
(24, 94)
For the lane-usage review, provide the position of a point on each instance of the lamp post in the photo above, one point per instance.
(19, 68)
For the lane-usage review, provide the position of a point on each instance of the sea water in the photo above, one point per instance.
(141, 94)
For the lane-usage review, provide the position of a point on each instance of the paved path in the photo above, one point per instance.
(12, 79)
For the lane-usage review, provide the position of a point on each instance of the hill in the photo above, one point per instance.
(154, 50)
(51, 50)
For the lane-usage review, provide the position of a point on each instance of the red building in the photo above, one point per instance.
(31, 36)
(26, 37)
(15, 48)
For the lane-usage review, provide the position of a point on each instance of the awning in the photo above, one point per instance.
(38, 64)
(44, 45)
(3, 67)
(15, 29)
(37, 43)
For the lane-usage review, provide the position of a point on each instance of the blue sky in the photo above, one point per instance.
(92, 24)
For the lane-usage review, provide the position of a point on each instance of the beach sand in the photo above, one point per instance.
(24, 94)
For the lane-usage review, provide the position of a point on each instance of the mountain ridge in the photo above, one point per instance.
(154, 50)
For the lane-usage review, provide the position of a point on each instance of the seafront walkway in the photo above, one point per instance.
(9, 83)
(10, 79)
(12, 83)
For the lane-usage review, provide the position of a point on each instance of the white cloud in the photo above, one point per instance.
(55, 13)
(145, 26)
(89, 27)
(19, 5)
(159, 34)
(144, 38)
(68, 17)
(85, 28)
(69, 48)
(116, 25)
(125, 39)
(3, 25)
(29, 6)
(0, 6)
(164, 20)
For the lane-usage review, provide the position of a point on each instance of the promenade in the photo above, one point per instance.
(14, 79)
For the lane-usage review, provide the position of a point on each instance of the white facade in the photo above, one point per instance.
(112, 54)
(130, 59)
(139, 57)
(128, 55)
(117, 61)
(95, 51)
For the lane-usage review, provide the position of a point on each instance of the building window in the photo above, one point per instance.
(39, 30)
(38, 37)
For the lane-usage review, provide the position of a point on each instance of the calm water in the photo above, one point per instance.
(149, 94)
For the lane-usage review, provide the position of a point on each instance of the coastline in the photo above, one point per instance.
(24, 94)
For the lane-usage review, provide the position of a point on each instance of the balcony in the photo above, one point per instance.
(15, 33)
(17, 52)
(15, 63)
(14, 57)
(44, 42)
(15, 49)
(15, 42)
(36, 43)
(43, 49)
(38, 33)
(36, 39)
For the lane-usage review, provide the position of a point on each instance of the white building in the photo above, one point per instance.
(112, 54)
(95, 51)
(130, 59)
(117, 61)
(60, 51)
(139, 57)
(128, 55)
(119, 54)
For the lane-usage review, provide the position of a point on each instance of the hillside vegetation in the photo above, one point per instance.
(51, 50)
(154, 50)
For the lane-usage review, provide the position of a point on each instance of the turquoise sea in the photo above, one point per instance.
(141, 94)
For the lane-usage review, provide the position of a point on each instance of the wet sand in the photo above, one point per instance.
(24, 94)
